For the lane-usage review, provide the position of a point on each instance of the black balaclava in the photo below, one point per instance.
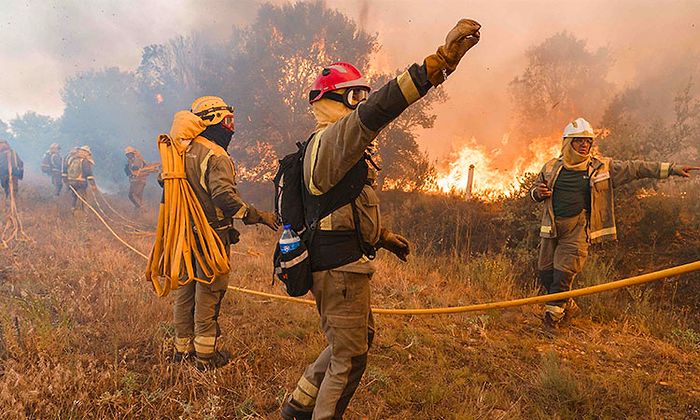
(218, 134)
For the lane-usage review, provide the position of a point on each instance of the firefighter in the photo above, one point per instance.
(52, 165)
(577, 191)
(78, 173)
(348, 119)
(210, 172)
(11, 168)
(137, 171)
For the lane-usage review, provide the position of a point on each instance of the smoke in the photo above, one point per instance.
(45, 42)
(654, 43)
(646, 38)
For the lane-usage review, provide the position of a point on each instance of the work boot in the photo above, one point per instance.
(182, 356)
(550, 322)
(552, 316)
(571, 310)
(219, 358)
(292, 410)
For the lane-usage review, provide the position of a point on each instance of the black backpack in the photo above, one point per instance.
(319, 250)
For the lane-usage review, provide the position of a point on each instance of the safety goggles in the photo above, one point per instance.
(351, 98)
(227, 122)
(579, 140)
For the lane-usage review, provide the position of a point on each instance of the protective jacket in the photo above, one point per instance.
(78, 169)
(14, 161)
(55, 164)
(134, 166)
(335, 149)
(211, 173)
(52, 163)
(604, 174)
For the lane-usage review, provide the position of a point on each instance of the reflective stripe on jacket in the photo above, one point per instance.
(605, 174)
(334, 150)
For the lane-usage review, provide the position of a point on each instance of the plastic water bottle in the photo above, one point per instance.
(289, 241)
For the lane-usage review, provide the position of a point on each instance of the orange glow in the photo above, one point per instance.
(496, 171)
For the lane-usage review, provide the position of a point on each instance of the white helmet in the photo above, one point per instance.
(579, 128)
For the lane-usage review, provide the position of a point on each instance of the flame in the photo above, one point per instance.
(267, 164)
(496, 173)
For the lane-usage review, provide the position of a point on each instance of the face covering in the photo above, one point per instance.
(327, 111)
(573, 160)
(218, 134)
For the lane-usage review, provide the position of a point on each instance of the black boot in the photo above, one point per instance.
(292, 410)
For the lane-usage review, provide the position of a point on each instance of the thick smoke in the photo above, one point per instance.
(653, 45)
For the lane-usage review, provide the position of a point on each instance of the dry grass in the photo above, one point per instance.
(84, 336)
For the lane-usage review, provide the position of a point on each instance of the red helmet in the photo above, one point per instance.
(336, 76)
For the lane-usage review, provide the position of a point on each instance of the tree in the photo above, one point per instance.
(280, 55)
(563, 80)
(5, 131)
(33, 133)
(407, 167)
(102, 111)
(171, 75)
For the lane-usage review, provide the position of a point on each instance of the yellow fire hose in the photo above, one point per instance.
(183, 234)
(631, 281)
(84, 201)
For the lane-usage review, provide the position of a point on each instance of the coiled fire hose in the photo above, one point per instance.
(183, 235)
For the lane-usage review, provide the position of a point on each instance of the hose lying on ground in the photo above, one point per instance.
(183, 234)
(631, 281)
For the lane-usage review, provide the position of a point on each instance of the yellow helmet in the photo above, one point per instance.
(130, 149)
(211, 109)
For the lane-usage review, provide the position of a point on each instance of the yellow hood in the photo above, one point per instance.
(327, 112)
(573, 160)
(186, 126)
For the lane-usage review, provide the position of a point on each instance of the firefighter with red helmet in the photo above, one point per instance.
(348, 119)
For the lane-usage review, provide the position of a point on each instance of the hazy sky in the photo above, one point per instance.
(44, 42)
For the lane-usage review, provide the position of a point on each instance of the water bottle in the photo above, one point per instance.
(289, 241)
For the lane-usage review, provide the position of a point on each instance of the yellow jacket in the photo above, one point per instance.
(605, 174)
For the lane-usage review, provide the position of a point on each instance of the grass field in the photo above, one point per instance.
(84, 336)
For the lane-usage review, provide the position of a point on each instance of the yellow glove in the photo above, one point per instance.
(458, 41)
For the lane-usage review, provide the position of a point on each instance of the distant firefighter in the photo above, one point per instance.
(577, 191)
(52, 165)
(77, 173)
(11, 167)
(137, 170)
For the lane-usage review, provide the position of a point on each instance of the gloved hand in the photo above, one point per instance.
(458, 41)
(396, 244)
(269, 219)
(683, 170)
(254, 216)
